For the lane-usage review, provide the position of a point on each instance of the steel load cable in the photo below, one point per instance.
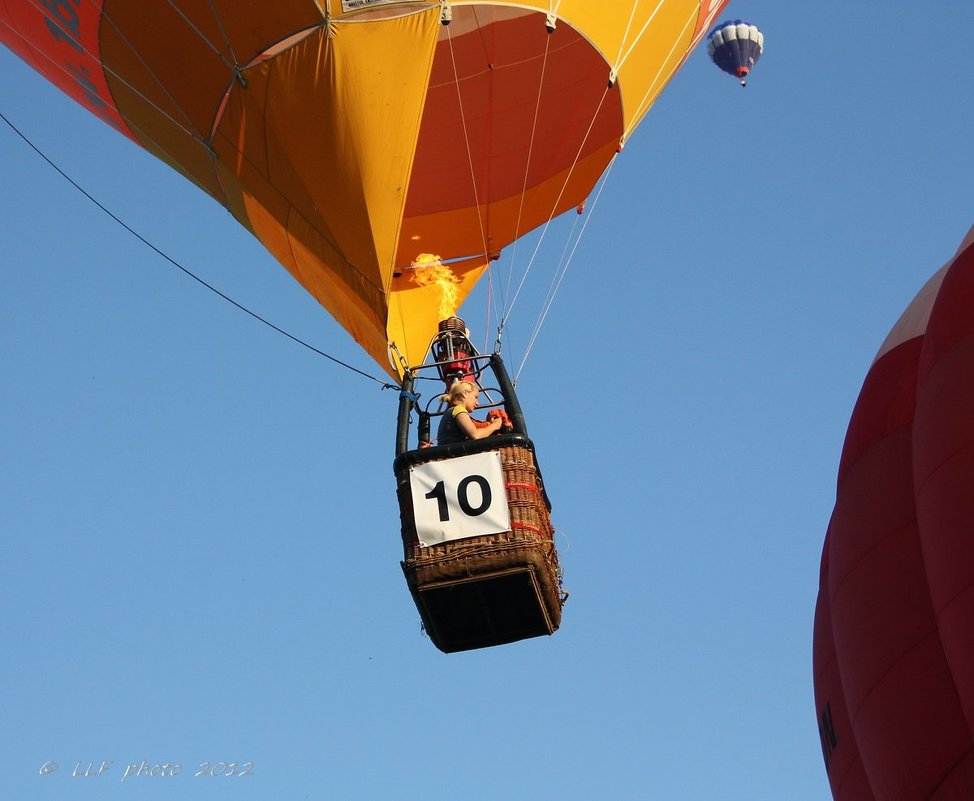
(185, 270)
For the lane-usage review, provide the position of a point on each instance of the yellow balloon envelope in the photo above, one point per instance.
(352, 136)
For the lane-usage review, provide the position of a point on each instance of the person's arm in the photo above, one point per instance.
(467, 427)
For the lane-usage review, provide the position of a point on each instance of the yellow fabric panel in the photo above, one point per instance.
(335, 120)
(647, 30)
(414, 309)
(655, 59)
(313, 151)
(307, 250)
(298, 247)
(318, 147)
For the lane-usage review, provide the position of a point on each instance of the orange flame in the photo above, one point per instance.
(429, 270)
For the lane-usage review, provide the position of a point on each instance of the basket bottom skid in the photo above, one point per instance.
(481, 611)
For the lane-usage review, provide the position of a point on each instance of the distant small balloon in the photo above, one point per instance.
(735, 47)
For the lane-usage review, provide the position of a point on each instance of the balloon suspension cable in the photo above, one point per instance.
(446, 18)
(226, 41)
(560, 273)
(185, 270)
(620, 58)
(195, 134)
(527, 171)
(497, 341)
(202, 36)
(490, 309)
(466, 141)
(554, 208)
(642, 107)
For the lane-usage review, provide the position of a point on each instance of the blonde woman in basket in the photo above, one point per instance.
(456, 424)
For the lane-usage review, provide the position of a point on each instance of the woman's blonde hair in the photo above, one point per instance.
(457, 391)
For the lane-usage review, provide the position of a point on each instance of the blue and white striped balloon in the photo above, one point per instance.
(735, 47)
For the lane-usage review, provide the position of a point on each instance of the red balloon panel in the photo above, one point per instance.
(894, 629)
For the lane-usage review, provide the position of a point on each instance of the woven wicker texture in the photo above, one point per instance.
(529, 542)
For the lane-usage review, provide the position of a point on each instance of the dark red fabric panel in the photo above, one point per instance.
(886, 401)
(898, 688)
(529, 104)
(839, 749)
(944, 464)
(952, 317)
(894, 631)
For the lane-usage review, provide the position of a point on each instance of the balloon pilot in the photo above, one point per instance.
(459, 367)
(457, 423)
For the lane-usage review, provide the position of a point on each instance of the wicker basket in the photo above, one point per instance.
(487, 590)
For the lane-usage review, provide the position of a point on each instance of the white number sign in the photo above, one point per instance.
(458, 498)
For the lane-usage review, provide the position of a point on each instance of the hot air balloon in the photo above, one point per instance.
(894, 625)
(735, 47)
(356, 138)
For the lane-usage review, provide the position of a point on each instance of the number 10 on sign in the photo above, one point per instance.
(458, 498)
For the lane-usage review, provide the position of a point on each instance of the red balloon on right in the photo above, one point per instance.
(893, 651)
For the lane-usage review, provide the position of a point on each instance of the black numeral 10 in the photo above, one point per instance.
(438, 494)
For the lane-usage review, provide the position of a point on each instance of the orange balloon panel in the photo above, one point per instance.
(351, 136)
(894, 629)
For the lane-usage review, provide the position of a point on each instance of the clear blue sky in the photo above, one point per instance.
(200, 531)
